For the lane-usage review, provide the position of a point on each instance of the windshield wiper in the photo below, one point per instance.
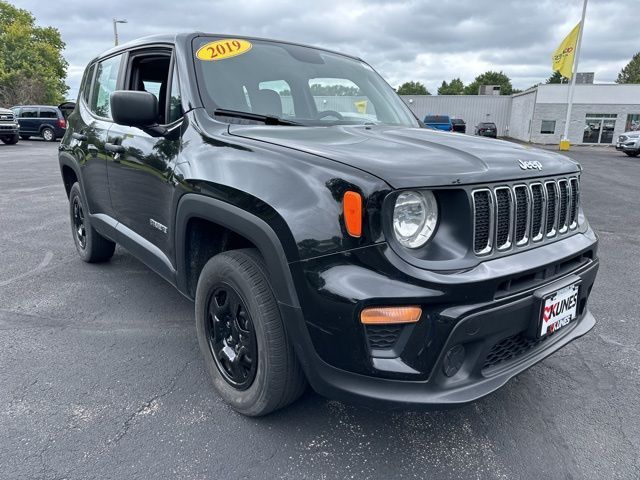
(267, 119)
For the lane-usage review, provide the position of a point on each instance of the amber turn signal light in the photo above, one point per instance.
(352, 209)
(388, 315)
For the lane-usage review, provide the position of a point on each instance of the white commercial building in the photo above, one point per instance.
(600, 112)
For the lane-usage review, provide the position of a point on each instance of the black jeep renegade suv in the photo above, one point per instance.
(323, 234)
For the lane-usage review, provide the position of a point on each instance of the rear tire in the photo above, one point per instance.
(632, 154)
(239, 278)
(12, 140)
(48, 134)
(91, 246)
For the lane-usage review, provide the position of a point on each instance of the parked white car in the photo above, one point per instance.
(629, 143)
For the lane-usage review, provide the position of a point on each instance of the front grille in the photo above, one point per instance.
(483, 208)
(510, 348)
(575, 199)
(509, 215)
(537, 211)
(503, 218)
(383, 336)
(522, 213)
(6, 117)
(552, 197)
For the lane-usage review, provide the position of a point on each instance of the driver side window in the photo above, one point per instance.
(149, 72)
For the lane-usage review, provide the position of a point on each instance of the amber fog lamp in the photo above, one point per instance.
(390, 315)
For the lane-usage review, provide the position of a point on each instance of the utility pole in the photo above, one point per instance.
(115, 29)
(576, 58)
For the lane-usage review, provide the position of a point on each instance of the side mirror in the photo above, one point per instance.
(134, 109)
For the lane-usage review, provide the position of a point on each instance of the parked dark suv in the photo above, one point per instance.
(487, 129)
(459, 125)
(43, 121)
(377, 260)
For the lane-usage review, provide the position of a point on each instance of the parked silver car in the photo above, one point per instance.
(629, 143)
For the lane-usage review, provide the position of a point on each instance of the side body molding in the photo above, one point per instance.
(243, 223)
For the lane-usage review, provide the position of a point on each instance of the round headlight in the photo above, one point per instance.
(415, 216)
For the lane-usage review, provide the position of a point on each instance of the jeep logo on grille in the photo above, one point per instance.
(530, 165)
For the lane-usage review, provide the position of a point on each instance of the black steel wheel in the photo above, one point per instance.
(232, 337)
(90, 245)
(78, 222)
(242, 337)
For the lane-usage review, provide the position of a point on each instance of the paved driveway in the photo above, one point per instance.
(100, 374)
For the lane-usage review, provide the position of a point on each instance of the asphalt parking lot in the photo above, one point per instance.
(101, 377)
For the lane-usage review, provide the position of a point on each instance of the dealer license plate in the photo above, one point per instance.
(559, 309)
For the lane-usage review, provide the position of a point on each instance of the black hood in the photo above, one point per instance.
(414, 157)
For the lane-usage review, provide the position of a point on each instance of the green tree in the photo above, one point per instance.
(456, 87)
(490, 78)
(631, 72)
(556, 77)
(32, 68)
(412, 88)
(318, 89)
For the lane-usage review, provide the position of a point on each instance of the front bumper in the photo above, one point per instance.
(9, 129)
(470, 311)
(627, 147)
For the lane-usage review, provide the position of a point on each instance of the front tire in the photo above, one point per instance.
(12, 140)
(242, 336)
(91, 246)
(48, 134)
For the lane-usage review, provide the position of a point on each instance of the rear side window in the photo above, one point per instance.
(105, 85)
(48, 113)
(436, 119)
(29, 112)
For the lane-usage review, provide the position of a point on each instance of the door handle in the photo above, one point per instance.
(78, 136)
(113, 148)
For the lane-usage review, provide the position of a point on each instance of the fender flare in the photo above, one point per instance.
(66, 160)
(253, 228)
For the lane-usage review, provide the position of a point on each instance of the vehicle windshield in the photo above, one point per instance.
(436, 119)
(302, 85)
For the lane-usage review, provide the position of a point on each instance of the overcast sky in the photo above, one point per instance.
(427, 41)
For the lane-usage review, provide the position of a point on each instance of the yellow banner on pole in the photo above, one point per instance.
(563, 57)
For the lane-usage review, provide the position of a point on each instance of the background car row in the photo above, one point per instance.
(25, 121)
(447, 124)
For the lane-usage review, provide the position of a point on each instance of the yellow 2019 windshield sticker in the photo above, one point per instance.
(221, 49)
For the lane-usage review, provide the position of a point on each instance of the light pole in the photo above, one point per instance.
(115, 28)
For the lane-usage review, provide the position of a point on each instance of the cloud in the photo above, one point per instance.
(427, 41)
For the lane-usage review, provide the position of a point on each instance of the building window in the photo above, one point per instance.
(599, 127)
(548, 126)
(633, 122)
